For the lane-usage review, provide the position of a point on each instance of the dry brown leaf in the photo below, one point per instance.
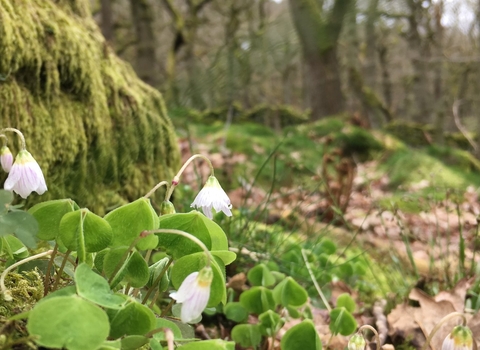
(457, 295)
(237, 282)
(403, 325)
(429, 315)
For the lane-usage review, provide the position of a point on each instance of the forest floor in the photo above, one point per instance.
(412, 213)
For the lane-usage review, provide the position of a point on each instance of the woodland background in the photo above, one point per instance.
(386, 60)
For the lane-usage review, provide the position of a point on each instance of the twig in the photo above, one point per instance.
(458, 123)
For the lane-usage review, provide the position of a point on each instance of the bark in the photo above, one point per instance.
(369, 68)
(107, 24)
(386, 79)
(319, 33)
(420, 87)
(440, 103)
(145, 62)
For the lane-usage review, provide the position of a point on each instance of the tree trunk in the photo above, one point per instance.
(319, 33)
(107, 25)
(369, 68)
(145, 63)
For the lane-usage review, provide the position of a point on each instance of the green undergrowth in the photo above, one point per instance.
(100, 134)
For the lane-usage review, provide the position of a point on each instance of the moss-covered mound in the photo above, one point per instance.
(100, 134)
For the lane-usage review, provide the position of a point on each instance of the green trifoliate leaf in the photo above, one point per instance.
(302, 336)
(68, 322)
(48, 215)
(130, 220)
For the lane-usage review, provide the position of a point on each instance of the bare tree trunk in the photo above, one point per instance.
(145, 63)
(440, 103)
(420, 86)
(477, 153)
(319, 35)
(107, 23)
(369, 68)
(386, 79)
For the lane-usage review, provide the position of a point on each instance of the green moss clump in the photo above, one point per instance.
(412, 134)
(100, 134)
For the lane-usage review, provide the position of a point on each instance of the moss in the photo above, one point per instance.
(26, 289)
(100, 134)
(412, 134)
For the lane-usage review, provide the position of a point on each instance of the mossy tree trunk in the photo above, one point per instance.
(319, 31)
(100, 134)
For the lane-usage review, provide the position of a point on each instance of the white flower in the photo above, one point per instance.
(213, 196)
(25, 176)
(6, 158)
(460, 339)
(194, 293)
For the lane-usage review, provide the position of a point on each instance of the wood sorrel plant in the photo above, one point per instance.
(100, 286)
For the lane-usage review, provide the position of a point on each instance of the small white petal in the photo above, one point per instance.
(212, 196)
(25, 176)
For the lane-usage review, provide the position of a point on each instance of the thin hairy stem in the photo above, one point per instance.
(22, 138)
(62, 267)
(157, 281)
(46, 283)
(439, 324)
(157, 186)
(377, 337)
(176, 178)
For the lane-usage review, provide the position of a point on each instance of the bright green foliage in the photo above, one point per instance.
(133, 342)
(342, 321)
(163, 323)
(133, 319)
(13, 221)
(247, 335)
(257, 300)
(289, 292)
(130, 220)
(95, 288)
(154, 272)
(49, 214)
(68, 322)
(302, 336)
(14, 247)
(195, 223)
(137, 271)
(84, 232)
(270, 323)
(102, 134)
(346, 301)
(236, 312)
(260, 275)
(216, 344)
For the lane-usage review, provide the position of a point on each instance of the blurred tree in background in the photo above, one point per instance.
(406, 60)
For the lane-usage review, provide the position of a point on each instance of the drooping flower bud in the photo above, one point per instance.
(194, 293)
(6, 158)
(167, 207)
(460, 338)
(357, 342)
(213, 196)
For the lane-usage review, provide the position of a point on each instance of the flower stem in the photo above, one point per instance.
(2, 136)
(157, 186)
(439, 324)
(60, 271)
(46, 283)
(6, 293)
(190, 237)
(125, 255)
(157, 281)
(377, 337)
(176, 178)
(314, 280)
(22, 138)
